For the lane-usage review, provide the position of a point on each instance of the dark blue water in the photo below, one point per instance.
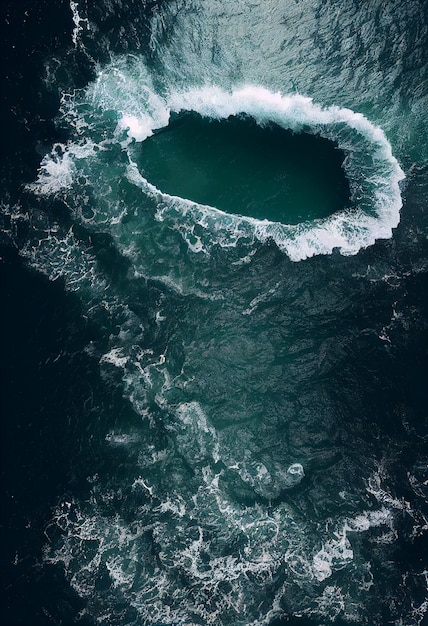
(214, 339)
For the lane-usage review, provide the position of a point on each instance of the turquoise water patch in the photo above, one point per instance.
(240, 167)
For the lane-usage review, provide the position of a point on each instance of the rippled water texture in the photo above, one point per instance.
(215, 267)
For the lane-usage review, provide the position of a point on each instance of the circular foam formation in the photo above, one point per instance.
(372, 170)
(127, 99)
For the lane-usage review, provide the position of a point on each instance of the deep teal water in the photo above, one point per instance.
(242, 168)
(207, 419)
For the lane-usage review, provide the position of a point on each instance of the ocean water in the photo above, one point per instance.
(214, 262)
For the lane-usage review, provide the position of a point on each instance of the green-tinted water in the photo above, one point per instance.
(239, 167)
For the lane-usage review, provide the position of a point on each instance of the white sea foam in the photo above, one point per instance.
(57, 169)
(331, 603)
(270, 481)
(122, 438)
(78, 21)
(195, 436)
(128, 91)
(115, 357)
(192, 531)
(334, 555)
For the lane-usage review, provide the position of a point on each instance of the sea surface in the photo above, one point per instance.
(214, 312)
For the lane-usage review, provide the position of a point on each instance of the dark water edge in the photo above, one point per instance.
(46, 379)
(51, 395)
(55, 412)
